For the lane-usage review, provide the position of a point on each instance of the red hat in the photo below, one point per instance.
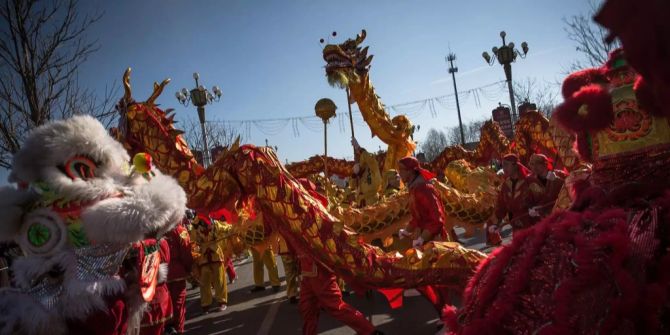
(411, 163)
(512, 158)
(541, 159)
(203, 217)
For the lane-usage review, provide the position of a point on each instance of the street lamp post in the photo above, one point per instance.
(199, 97)
(506, 55)
(452, 69)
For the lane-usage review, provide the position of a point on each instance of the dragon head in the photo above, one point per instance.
(144, 127)
(346, 61)
(136, 118)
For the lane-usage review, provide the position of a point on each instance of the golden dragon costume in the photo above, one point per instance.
(248, 172)
(348, 65)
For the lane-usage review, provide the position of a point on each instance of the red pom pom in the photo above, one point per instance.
(589, 109)
(449, 317)
(582, 78)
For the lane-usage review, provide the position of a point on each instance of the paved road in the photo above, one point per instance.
(269, 313)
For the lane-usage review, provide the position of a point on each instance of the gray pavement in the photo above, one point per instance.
(268, 313)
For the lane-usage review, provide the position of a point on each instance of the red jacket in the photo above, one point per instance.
(426, 208)
(181, 259)
(514, 200)
(550, 191)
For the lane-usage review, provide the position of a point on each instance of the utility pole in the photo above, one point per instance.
(452, 69)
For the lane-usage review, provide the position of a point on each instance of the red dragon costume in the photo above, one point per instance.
(602, 267)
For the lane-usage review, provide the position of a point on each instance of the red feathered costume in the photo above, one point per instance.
(602, 267)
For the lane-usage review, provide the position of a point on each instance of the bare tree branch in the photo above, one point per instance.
(434, 143)
(541, 94)
(43, 44)
(471, 131)
(218, 134)
(589, 38)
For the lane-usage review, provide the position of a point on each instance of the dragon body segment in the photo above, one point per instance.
(247, 171)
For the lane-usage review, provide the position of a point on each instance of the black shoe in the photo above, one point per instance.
(275, 288)
(293, 300)
(257, 289)
(377, 332)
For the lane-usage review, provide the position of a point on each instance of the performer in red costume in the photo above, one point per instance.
(517, 195)
(427, 211)
(160, 307)
(428, 218)
(319, 290)
(604, 266)
(113, 321)
(552, 182)
(181, 261)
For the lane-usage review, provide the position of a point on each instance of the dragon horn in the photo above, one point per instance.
(236, 144)
(158, 89)
(127, 96)
(360, 37)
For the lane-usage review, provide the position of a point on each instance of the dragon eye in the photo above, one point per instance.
(80, 167)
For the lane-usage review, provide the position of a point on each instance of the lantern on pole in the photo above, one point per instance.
(325, 109)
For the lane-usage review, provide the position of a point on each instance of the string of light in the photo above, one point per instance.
(412, 109)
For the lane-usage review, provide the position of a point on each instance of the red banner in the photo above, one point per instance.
(504, 118)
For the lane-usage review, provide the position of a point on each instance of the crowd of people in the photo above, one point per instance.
(195, 251)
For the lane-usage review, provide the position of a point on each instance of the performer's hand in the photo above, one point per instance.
(404, 233)
(418, 242)
(534, 211)
(551, 175)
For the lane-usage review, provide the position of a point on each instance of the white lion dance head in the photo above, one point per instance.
(77, 209)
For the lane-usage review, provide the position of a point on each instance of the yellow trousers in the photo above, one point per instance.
(270, 263)
(291, 270)
(213, 274)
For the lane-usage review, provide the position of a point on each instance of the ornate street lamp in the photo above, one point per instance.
(506, 55)
(199, 97)
(325, 109)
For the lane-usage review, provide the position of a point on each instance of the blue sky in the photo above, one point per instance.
(266, 57)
